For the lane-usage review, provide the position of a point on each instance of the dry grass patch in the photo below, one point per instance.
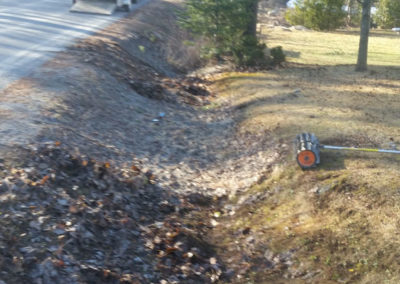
(341, 220)
(347, 234)
(334, 102)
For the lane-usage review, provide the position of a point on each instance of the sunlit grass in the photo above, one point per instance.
(349, 234)
(312, 47)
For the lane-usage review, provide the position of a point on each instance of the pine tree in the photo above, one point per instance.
(230, 27)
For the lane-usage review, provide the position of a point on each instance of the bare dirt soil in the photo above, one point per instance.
(123, 93)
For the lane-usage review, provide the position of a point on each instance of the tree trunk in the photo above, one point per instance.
(253, 9)
(349, 4)
(364, 34)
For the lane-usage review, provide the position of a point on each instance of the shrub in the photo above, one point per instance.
(317, 14)
(249, 52)
(228, 26)
(388, 14)
(277, 55)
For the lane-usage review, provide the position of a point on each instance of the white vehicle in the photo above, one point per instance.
(397, 30)
(103, 7)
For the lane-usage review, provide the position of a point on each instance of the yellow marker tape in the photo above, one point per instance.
(362, 149)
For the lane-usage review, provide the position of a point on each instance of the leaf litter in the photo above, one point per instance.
(69, 218)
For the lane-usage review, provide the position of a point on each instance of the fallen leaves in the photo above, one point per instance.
(180, 252)
(82, 218)
(44, 179)
(135, 168)
(97, 221)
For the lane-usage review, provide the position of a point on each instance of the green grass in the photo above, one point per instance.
(311, 47)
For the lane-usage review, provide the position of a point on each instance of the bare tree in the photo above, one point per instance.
(364, 35)
(352, 11)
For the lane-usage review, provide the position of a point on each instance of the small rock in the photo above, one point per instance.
(314, 189)
(324, 189)
(53, 248)
(157, 240)
(62, 202)
(136, 182)
(320, 189)
(59, 231)
(199, 199)
(43, 166)
(4, 187)
(214, 223)
(229, 273)
(27, 249)
(87, 235)
(173, 279)
(301, 28)
(213, 260)
(35, 225)
(269, 255)
(250, 239)
(220, 192)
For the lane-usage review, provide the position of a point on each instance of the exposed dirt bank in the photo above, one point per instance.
(122, 93)
(121, 97)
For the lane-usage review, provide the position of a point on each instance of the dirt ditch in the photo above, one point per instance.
(120, 161)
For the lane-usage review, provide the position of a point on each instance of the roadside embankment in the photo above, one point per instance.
(115, 152)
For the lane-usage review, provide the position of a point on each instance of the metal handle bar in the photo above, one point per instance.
(359, 149)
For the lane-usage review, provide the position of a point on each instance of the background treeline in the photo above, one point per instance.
(228, 29)
(332, 14)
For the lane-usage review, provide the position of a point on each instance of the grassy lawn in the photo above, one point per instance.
(349, 232)
(341, 47)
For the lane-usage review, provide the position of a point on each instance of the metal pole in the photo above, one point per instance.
(359, 149)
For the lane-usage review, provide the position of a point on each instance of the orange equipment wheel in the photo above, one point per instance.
(306, 159)
(307, 150)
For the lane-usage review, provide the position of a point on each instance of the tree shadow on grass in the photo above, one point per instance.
(292, 54)
(373, 33)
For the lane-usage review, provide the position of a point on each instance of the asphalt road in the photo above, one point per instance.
(31, 31)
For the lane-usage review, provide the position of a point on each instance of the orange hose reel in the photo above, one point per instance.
(306, 159)
(307, 150)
